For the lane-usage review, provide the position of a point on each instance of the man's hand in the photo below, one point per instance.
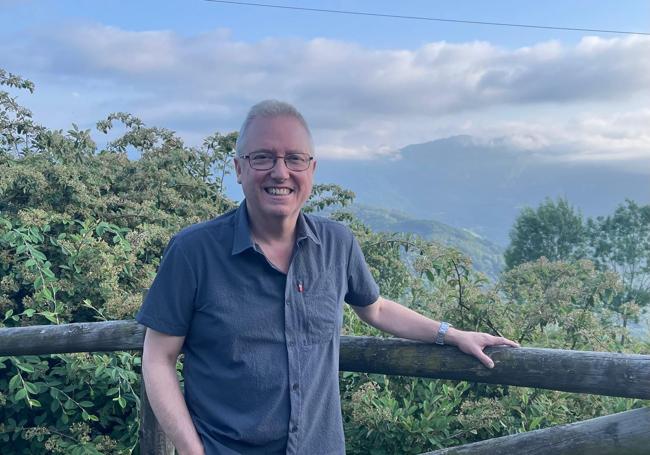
(473, 343)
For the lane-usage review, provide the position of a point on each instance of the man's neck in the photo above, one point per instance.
(273, 230)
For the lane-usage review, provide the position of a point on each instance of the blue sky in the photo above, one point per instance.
(368, 86)
(254, 23)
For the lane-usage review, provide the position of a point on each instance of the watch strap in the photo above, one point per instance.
(442, 330)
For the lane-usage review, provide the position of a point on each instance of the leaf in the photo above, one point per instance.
(38, 255)
(25, 367)
(31, 388)
(47, 294)
(48, 273)
(86, 404)
(34, 403)
(49, 316)
(22, 393)
(122, 402)
(29, 312)
(14, 382)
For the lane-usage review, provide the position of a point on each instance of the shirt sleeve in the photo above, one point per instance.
(362, 288)
(169, 304)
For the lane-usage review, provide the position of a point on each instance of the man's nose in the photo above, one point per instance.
(280, 170)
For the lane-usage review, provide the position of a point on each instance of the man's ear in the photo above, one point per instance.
(237, 169)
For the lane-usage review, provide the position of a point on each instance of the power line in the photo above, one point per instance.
(430, 19)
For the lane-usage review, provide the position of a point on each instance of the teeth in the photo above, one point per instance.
(278, 191)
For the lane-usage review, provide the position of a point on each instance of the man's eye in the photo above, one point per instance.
(261, 157)
(296, 158)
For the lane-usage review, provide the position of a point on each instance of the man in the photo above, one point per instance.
(254, 300)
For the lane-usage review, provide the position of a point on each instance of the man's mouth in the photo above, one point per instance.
(278, 191)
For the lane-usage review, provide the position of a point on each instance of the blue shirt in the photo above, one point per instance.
(261, 347)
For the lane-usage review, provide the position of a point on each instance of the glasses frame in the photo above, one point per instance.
(275, 161)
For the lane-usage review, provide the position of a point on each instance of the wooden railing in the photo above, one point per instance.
(602, 373)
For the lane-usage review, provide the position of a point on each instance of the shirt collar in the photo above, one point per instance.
(305, 229)
(242, 239)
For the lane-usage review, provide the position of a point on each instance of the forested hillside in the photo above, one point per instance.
(82, 230)
(486, 256)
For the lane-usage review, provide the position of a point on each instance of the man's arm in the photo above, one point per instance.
(159, 357)
(396, 319)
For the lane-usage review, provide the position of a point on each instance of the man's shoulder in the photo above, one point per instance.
(327, 229)
(216, 227)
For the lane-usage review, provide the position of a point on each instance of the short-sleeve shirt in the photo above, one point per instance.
(261, 347)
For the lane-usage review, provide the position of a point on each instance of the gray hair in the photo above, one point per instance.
(270, 109)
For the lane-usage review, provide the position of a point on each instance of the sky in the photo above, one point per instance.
(368, 86)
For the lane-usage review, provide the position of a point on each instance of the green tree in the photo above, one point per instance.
(554, 230)
(621, 242)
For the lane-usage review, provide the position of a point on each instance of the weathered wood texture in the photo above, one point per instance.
(624, 433)
(78, 337)
(600, 373)
(153, 440)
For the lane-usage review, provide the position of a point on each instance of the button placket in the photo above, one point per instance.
(292, 309)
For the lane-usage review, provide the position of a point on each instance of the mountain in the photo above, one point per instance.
(481, 186)
(486, 256)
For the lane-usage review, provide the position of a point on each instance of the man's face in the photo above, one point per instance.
(277, 192)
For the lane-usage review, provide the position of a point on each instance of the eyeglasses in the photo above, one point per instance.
(263, 161)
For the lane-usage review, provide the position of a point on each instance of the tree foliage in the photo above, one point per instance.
(621, 242)
(554, 230)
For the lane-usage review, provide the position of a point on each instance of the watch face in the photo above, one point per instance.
(440, 337)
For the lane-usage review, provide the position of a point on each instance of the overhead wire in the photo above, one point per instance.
(430, 19)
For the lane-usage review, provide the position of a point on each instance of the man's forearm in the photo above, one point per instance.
(403, 322)
(396, 319)
(168, 404)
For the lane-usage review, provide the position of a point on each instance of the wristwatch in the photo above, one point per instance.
(442, 330)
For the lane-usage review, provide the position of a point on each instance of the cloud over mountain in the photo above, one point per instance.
(361, 99)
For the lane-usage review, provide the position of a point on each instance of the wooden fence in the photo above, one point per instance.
(602, 373)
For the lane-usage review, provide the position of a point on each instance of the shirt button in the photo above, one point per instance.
(291, 343)
(295, 386)
(288, 302)
(294, 429)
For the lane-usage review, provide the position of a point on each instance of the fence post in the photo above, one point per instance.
(153, 440)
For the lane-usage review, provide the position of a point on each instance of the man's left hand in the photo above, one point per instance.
(473, 343)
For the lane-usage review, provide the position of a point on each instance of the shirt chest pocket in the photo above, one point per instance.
(321, 313)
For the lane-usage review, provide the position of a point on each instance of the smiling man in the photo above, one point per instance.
(254, 299)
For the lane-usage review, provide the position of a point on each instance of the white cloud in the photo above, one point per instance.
(362, 102)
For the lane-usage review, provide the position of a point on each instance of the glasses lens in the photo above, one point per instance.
(297, 161)
(261, 161)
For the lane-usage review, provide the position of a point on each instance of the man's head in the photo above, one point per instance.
(274, 161)
(268, 109)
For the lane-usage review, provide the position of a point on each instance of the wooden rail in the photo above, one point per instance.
(625, 433)
(603, 373)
